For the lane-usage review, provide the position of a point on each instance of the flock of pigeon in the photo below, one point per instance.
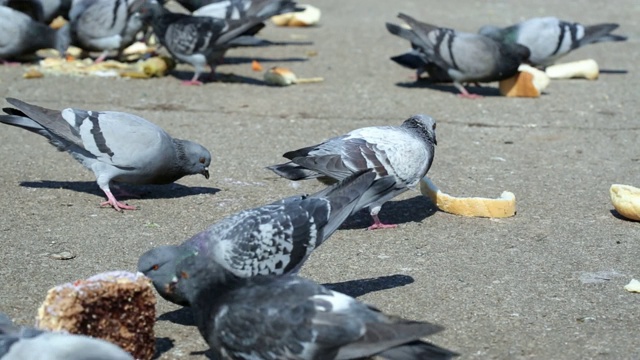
(239, 275)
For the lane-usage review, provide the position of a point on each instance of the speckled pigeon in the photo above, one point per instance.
(550, 38)
(27, 343)
(463, 56)
(405, 152)
(116, 146)
(288, 317)
(105, 25)
(20, 35)
(204, 40)
(271, 239)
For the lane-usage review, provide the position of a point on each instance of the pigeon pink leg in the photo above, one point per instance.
(111, 200)
(194, 80)
(377, 224)
(464, 93)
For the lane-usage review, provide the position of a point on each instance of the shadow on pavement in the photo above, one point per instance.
(356, 288)
(169, 191)
(163, 345)
(479, 90)
(182, 316)
(399, 212)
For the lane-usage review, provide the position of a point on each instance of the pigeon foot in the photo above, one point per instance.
(117, 205)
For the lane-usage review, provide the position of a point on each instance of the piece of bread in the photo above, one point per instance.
(115, 306)
(587, 69)
(528, 82)
(308, 17)
(504, 206)
(626, 200)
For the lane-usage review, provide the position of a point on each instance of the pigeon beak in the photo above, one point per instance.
(205, 173)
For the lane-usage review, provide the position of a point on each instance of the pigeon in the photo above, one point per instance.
(289, 317)
(193, 5)
(28, 343)
(116, 146)
(404, 152)
(271, 239)
(204, 40)
(20, 35)
(40, 10)
(550, 38)
(105, 25)
(54, 8)
(463, 56)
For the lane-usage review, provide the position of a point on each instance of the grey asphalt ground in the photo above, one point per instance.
(545, 284)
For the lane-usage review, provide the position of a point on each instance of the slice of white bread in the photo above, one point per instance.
(504, 206)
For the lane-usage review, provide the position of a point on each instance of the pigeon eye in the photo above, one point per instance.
(155, 267)
(184, 275)
(202, 160)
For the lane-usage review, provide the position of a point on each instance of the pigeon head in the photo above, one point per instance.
(425, 126)
(197, 274)
(159, 264)
(193, 158)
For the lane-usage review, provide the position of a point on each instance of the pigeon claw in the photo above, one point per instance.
(377, 224)
(118, 206)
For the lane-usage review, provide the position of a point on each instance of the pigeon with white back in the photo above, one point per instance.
(289, 317)
(404, 152)
(462, 56)
(271, 239)
(105, 25)
(21, 35)
(204, 40)
(116, 146)
(549, 38)
(17, 343)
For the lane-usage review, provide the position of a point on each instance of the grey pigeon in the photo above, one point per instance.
(20, 35)
(116, 146)
(288, 317)
(40, 10)
(463, 56)
(26, 343)
(193, 5)
(204, 40)
(550, 38)
(405, 152)
(105, 25)
(54, 8)
(271, 239)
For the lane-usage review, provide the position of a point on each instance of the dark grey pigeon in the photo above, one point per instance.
(404, 152)
(20, 35)
(193, 5)
(116, 146)
(463, 56)
(204, 40)
(288, 317)
(18, 343)
(271, 239)
(105, 25)
(550, 38)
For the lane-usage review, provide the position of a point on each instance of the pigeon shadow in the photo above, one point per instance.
(168, 191)
(477, 90)
(615, 72)
(220, 77)
(415, 209)
(163, 345)
(357, 288)
(248, 60)
(182, 316)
